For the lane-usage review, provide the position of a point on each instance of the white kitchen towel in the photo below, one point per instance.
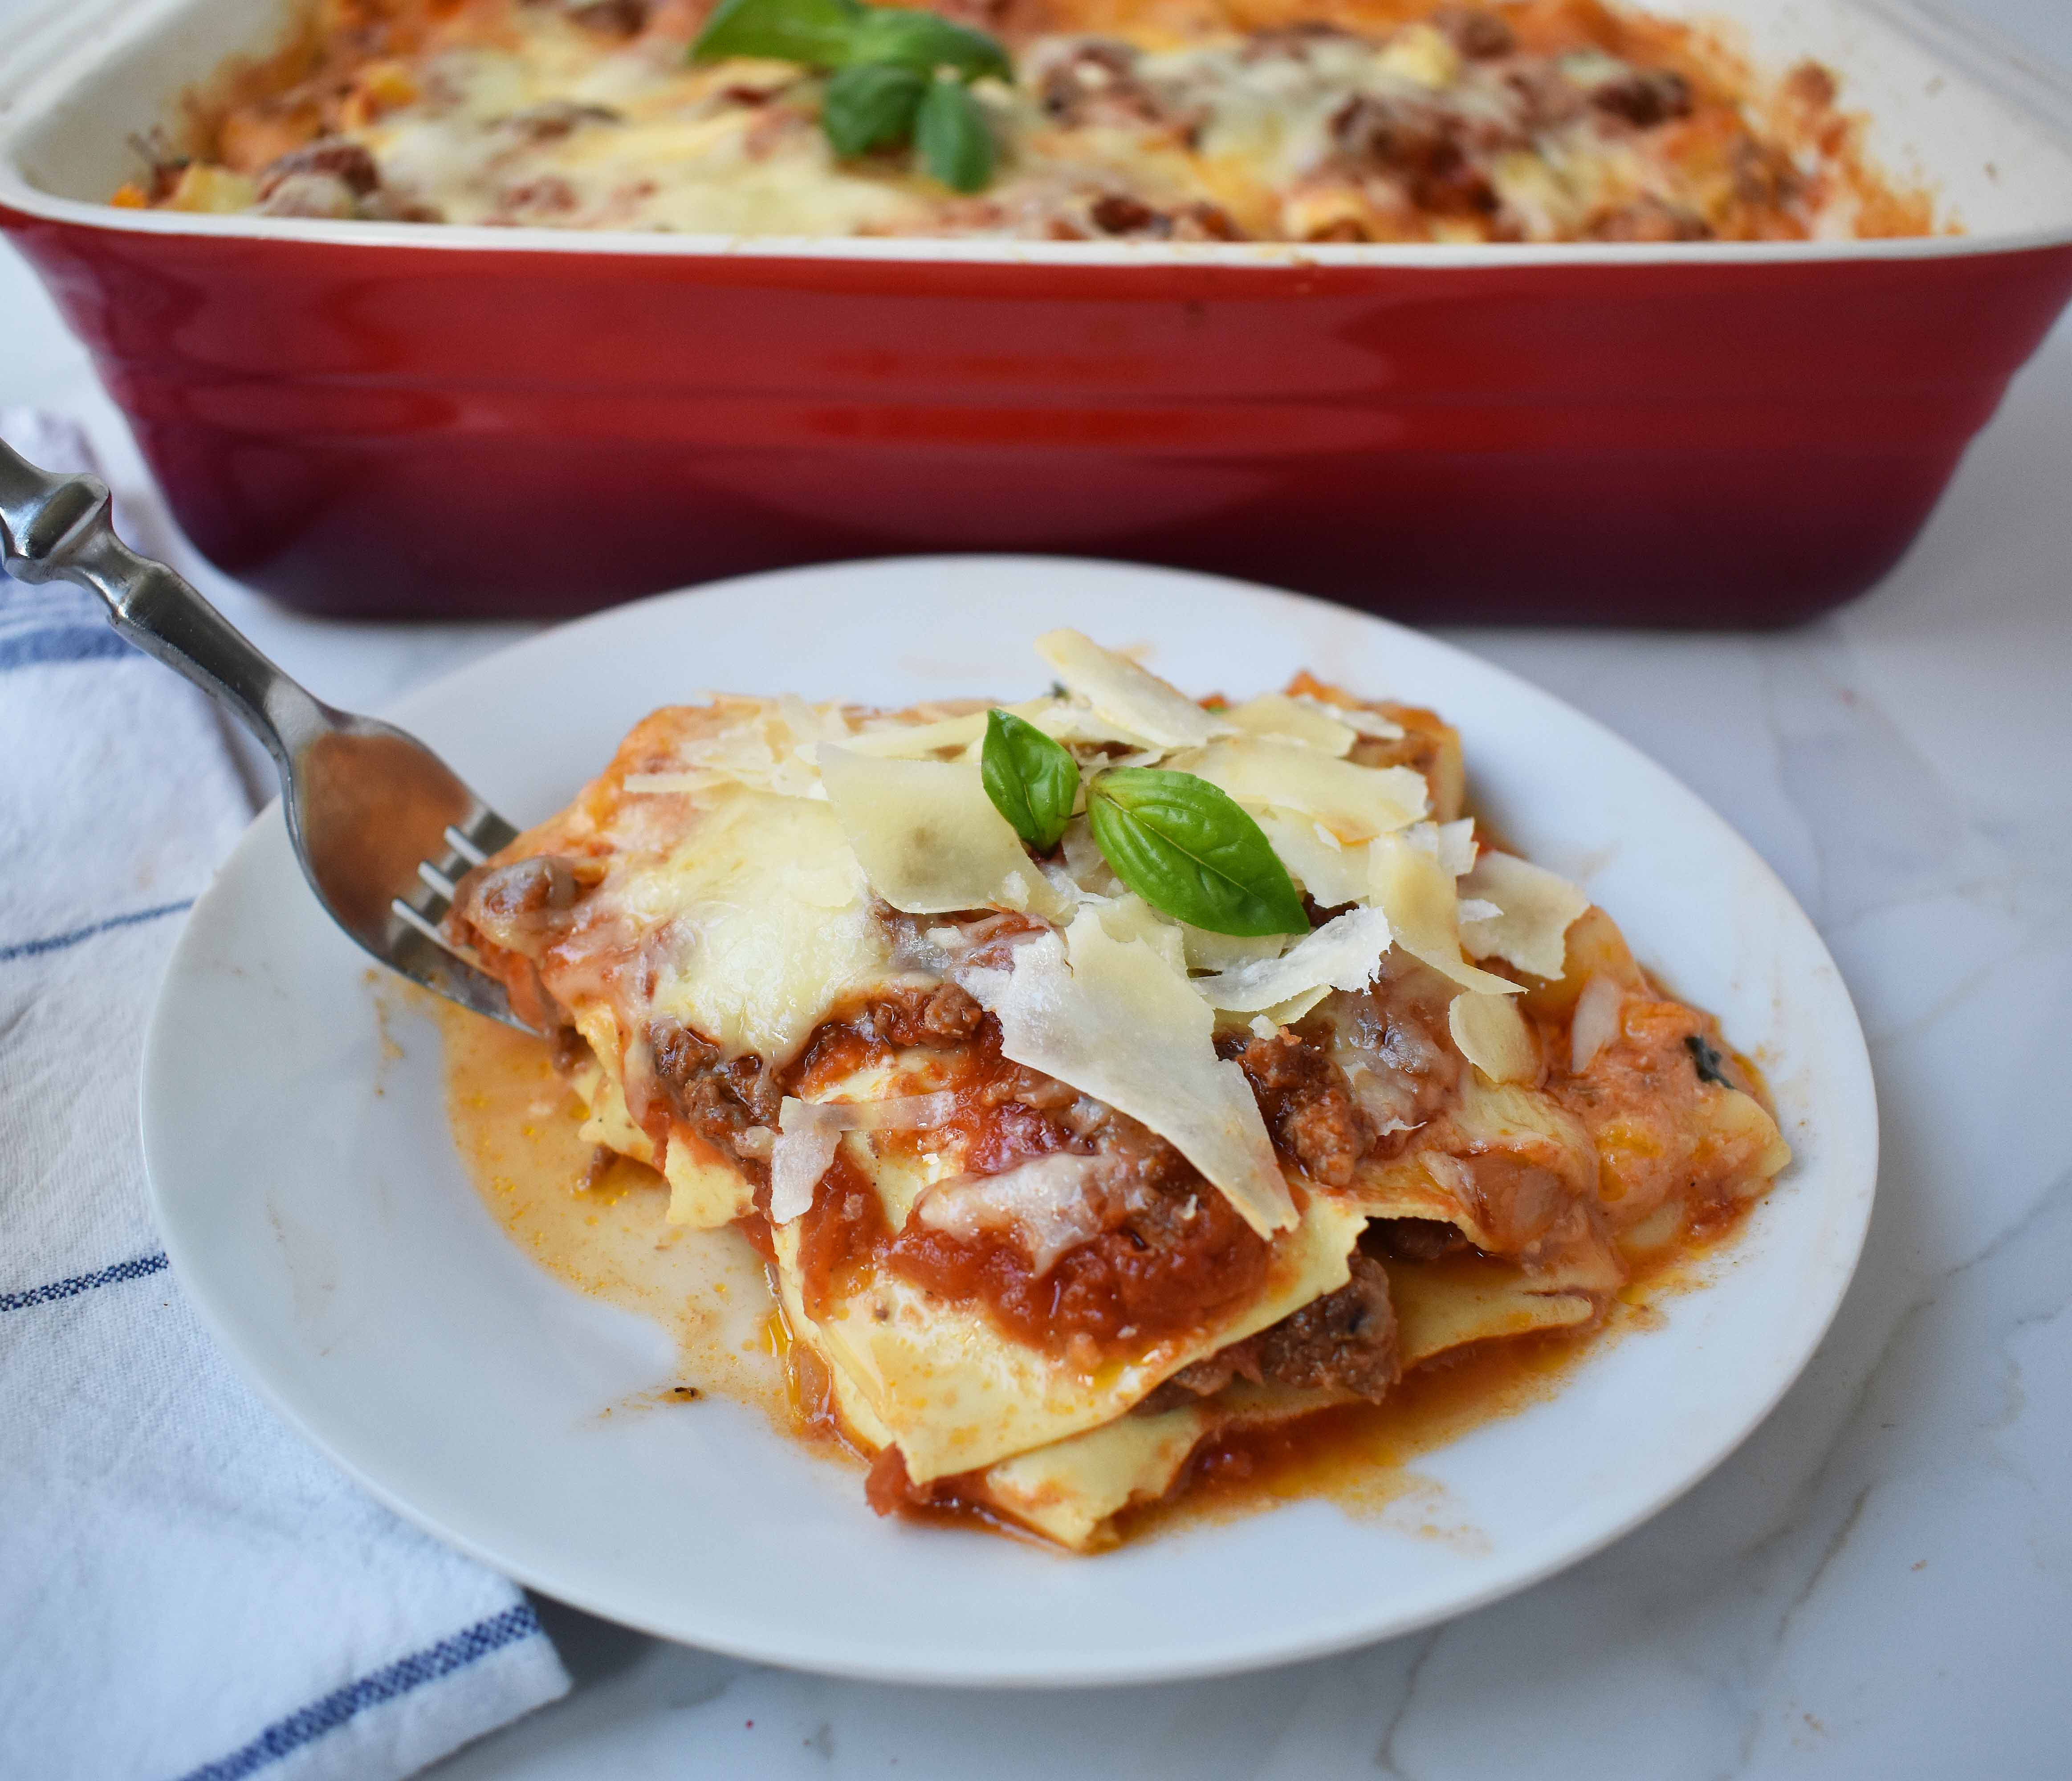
(187, 1590)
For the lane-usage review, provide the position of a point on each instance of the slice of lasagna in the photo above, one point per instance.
(1057, 1187)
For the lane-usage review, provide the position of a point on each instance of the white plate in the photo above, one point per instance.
(315, 1210)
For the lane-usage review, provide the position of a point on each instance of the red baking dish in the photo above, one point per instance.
(382, 419)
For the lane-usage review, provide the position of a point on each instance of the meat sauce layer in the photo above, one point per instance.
(1173, 1256)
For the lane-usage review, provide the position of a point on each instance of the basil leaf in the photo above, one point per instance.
(1031, 779)
(869, 104)
(820, 33)
(1182, 845)
(955, 140)
(925, 42)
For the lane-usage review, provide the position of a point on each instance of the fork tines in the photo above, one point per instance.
(467, 846)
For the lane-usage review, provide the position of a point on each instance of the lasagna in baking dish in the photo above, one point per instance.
(1108, 1076)
(1326, 121)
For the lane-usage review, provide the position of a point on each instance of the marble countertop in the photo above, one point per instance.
(1879, 1583)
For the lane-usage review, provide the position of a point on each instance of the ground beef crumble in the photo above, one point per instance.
(718, 1097)
(1344, 1341)
(1307, 1106)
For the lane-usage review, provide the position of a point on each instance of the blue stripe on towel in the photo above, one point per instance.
(285, 1736)
(57, 942)
(70, 643)
(82, 1283)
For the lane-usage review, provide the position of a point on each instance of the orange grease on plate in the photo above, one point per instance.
(515, 1123)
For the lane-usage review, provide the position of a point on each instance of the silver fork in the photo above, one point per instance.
(382, 826)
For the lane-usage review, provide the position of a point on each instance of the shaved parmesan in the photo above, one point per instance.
(1451, 844)
(1354, 803)
(1129, 917)
(1208, 951)
(900, 1112)
(1537, 906)
(1274, 714)
(1416, 892)
(928, 837)
(1595, 1023)
(807, 1135)
(1125, 694)
(912, 741)
(1331, 872)
(767, 745)
(1085, 864)
(1343, 954)
(1068, 721)
(1493, 1036)
(1077, 724)
(1354, 717)
(1048, 1205)
(1119, 1023)
(1286, 1014)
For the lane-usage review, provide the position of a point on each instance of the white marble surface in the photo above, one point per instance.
(1880, 1582)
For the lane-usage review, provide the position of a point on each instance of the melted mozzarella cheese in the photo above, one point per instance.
(761, 920)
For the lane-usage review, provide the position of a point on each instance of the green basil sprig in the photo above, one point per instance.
(1184, 846)
(897, 74)
(1031, 779)
(953, 137)
(870, 105)
(1179, 842)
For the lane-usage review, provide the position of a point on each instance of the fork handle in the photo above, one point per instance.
(58, 529)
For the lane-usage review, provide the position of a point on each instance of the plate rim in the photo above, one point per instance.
(1230, 1654)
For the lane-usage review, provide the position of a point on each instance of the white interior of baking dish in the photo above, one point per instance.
(1985, 128)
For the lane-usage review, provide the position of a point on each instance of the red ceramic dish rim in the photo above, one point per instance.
(2034, 92)
(17, 196)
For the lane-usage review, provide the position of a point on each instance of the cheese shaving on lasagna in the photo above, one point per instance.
(1113, 1019)
(1062, 1185)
